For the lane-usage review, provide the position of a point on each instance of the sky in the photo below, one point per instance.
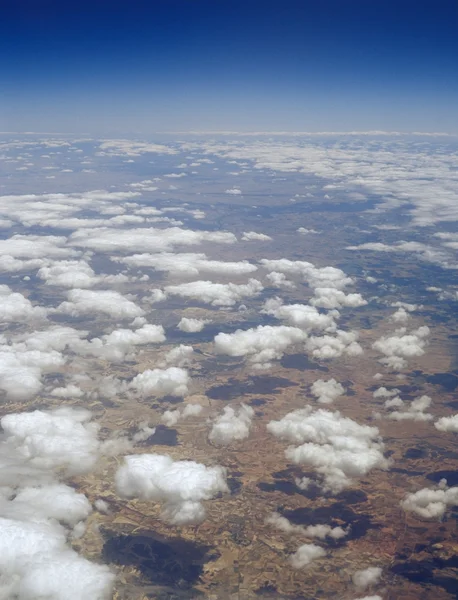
(177, 65)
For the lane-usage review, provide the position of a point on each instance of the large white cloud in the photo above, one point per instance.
(181, 486)
(261, 344)
(107, 302)
(216, 294)
(337, 447)
(173, 381)
(402, 345)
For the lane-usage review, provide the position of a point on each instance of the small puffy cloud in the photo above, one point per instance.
(180, 356)
(231, 425)
(161, 382)
(383, 392)
(261, 344)
(431, 503)
(447, 423)
(332, 346)
(415, 411)
(252, 236)
(312, 531)
(107, 302)
(16, 307)
(316, 277)
(180, 486)
(116, 345)
(171, 417)
(400, 316)
(216, 294)
(279, 280)
(233, 192)
(305, 555)
(399, 347)
(337, 447)
(331, 298)
(69, 274)
(299, 315)
(305, 231)
(366, 577)
(191, 325)
(327, 391)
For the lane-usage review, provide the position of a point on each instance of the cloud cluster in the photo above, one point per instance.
(180, 486)
(332, 346)
(106, 302)
(299, 315)
(431, 503)
(261, 344)
(216, 294)
(312, 531)
(337, 447)
(402, 345)
(39, 514)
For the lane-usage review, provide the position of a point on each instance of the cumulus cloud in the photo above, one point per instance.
(187, 264)
(261, 344)
(191, 325)
(180, 486)
(332, 298)
(39, 513)
(431, 503)
(233, 192)
(279, 280)
(399, 347)
(16, 307)
(312, 531)
(216, 294)
(329, 277)
(180, 356)
(231, 425)
(333, 346)
(337, 447)
(305, 555)
(447, 423)
(252, 236)
(147, 239)
(414, 412)
(367, 577)
(173, 381)
(171, 417)
(107, 302)
(299, 315)
(327, 391)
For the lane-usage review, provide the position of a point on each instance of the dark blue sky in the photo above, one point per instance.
(131, 66)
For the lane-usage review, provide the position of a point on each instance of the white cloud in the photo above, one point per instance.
(261, 344)
(337, 447)
(447, 423)
(216, 294)
(191, 325)
(431, 503)
(332, 346)
(107, 302)
(279, 280)
(188, 264)
(299, 315)
(401, 346)
(312, 531)
(15, 307)
(329, 277)
(367, 577)
(231, 425)
(233, 192)
(252, 236)
(327, 391)
(305, 555)
(331, 298)
(173, 381)
(415, 411)
(180, 486)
